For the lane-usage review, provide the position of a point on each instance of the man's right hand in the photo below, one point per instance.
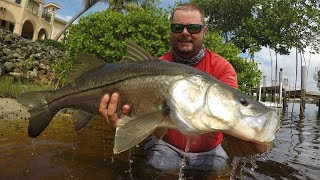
(108, 109)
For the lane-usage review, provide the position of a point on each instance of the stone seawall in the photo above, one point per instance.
(26, 60)
(10, 109)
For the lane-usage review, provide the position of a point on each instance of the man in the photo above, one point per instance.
(205, 152)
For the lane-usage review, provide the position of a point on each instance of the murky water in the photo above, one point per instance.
(60, 153)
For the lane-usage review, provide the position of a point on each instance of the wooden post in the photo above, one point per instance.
(284, 102)
(280, 87)
(303, 89)
(258, 91)
(285, 95)
(264, 90)
(319, 107)
(273, 90)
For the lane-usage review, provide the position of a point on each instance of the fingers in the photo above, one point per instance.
(112, 110)
(241, 148)
(125, 110)
(103, 106)
(108, 109)
(261, 148)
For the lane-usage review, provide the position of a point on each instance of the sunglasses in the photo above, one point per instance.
(191, 28)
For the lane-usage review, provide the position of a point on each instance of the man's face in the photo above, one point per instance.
(186, 44)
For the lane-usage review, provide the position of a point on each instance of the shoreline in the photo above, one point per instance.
(10, 109)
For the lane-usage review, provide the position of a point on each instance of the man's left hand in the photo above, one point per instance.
(241, 148)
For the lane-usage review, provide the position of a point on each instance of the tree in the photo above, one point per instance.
(280, 25)
(87, 4)
(226, 16)
(247, 69)
(116, 5)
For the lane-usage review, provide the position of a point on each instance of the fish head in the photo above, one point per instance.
(199, 106)
(244, 117)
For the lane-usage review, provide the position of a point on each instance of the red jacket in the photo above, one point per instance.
(221, 69)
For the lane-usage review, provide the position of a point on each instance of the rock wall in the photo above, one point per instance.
(25, 60)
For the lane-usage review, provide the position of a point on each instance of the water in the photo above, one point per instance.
(59, 153)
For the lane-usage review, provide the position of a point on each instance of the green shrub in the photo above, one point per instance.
(104, 35)
(247, 69)
(53, 43)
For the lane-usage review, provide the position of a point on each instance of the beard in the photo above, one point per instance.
(185, 47)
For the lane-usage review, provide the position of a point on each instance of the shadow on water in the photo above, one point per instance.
(61, 153)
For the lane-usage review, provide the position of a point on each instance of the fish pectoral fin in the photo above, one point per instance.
(136, 130)
(124, 120)
(165, 124)
(82, 118)
(160, 132)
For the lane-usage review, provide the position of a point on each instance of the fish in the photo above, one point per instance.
(162, 95)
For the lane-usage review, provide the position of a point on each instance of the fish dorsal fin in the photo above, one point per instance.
(160, 132)
(84, 63)
(136, 53)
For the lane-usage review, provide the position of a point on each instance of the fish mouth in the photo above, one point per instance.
(259, 129)
(270, 127)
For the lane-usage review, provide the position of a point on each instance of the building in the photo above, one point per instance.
(32, 19)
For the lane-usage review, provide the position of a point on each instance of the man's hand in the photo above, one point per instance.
(241, 148)
(108, 109)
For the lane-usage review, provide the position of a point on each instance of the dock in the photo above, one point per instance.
(280, 94)
(280, 97)
(297, 94)
(290, 93)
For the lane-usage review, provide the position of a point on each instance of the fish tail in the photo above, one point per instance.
(39, 111)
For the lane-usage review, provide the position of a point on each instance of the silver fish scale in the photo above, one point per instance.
(145, 94)
(90, 87)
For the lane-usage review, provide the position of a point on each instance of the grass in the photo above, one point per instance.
(10, 88)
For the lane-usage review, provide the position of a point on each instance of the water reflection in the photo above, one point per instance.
(60, 153)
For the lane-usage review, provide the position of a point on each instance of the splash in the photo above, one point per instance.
(183, 163)
(33, 147)
(105, 144)
(130, 161)
(240, 163)
(74, 148)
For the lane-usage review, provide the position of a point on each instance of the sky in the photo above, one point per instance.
(71, 7)
(265, 57)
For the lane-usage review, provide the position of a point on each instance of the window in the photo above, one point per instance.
(3, 23)
(33, 6)
(11, 27)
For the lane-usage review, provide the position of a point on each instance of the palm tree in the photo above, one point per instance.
(117, 5)
(87, 4)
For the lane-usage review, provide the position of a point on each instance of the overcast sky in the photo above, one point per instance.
(288, 64)
(264, 57)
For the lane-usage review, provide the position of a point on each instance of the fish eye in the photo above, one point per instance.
(244, 102)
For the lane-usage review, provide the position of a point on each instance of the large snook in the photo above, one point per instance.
(161, 95)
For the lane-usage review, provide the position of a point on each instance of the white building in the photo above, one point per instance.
(32, 19)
